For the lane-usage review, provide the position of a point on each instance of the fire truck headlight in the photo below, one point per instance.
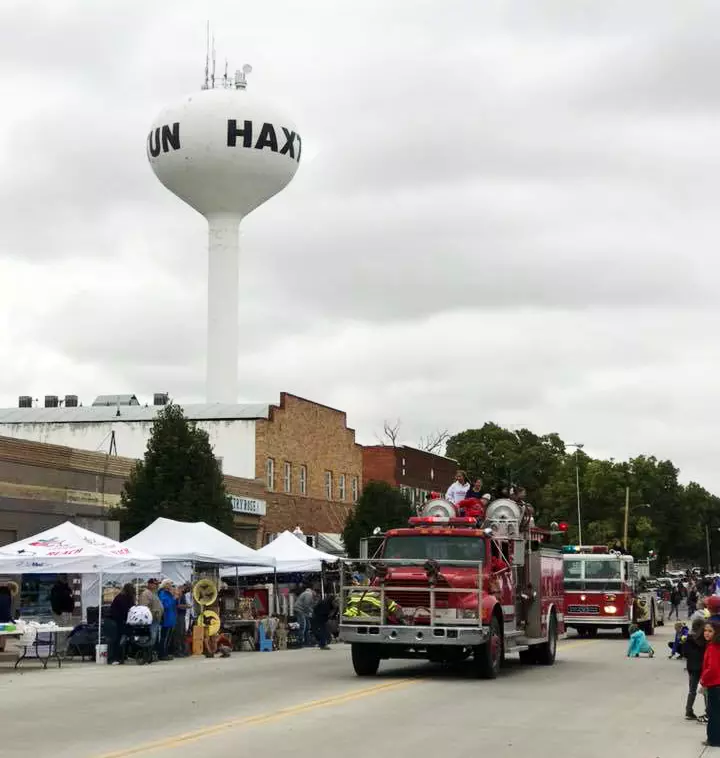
(610, 609)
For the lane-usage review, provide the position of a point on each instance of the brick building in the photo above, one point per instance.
(416, 472)
(296, 462)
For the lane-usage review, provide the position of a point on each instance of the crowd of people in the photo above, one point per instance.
(696, 642)
(168, 609)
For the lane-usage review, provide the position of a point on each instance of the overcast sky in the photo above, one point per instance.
(505, 211)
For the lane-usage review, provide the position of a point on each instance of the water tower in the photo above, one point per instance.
(224, 152)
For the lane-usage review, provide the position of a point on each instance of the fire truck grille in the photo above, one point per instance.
(583, 609)
(419, 598)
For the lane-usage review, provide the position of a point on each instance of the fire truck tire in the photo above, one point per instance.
(649, 626)
(365, 660)
(487, 658)
(545, 653)
(591, 631)
(625, 630)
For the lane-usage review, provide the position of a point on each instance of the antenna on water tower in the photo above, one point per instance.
(206, 84)
(224, 152)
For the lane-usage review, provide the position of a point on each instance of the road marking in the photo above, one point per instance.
(264, 718)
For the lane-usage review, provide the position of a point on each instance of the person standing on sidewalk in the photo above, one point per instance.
(675, 600)
(303, 614)
(180, 634)
(149, 598)
(693, 652)
(710, 680)
(62, 604)
(167, 597)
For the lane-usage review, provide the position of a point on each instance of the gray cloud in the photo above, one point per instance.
(504, 212)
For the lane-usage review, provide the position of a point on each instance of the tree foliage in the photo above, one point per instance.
(379, 505)
(179, 478)
(673, 525)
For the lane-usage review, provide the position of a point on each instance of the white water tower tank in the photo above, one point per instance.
(224, 152)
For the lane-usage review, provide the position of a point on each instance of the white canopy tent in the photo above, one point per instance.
(197, 542)
(70, 549)
(291, 555)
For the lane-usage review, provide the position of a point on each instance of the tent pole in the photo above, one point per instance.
(276, 593)
(100, 599)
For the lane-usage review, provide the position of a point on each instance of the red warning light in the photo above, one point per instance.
(562, 526)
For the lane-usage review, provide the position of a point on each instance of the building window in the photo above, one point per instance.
(303, 480)
(354, 489)
(432, 474)
(287, 477)
(341, 487)
(403, 467)
(328, 485)
(270, 474)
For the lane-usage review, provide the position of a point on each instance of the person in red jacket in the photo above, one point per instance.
(710, 680)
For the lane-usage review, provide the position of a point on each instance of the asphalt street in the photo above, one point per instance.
(308, 704)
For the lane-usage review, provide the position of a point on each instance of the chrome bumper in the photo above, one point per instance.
(596, 620)
(415, 636)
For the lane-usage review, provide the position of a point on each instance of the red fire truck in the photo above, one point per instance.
(451, 588)
(602, 591)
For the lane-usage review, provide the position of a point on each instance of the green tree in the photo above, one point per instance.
(379, 505)
(503, 457)
(179, 478)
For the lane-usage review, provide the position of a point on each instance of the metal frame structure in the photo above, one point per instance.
(374, 628)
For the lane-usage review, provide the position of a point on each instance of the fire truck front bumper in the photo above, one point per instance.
(607, 621)
(415, 636)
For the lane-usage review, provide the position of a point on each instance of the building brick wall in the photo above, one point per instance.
(416, 472)
(303, 433)
(380, 464)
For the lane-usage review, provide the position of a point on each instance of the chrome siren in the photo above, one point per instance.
(503, 516)
(439, 507)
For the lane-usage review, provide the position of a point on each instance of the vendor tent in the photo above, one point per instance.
(197, 542)
(70, 549)
(292, 555)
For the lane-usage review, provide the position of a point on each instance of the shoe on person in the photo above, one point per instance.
(702, 719)
(691, 717)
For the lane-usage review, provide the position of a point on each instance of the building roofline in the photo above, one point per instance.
(408, 447)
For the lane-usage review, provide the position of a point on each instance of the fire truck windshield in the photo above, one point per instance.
(439, 547)
(583, 573)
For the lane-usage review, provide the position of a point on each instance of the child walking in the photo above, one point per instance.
(693, 652)
(710, 680)
(638, 643)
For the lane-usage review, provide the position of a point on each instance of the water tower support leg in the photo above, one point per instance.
(223, 294)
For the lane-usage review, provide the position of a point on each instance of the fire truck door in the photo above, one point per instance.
(532, 607)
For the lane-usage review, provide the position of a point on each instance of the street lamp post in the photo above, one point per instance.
(578, 447)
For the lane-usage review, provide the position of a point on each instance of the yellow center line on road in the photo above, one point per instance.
(264, 718)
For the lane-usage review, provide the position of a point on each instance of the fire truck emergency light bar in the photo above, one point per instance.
(451, 520)
(586, 549)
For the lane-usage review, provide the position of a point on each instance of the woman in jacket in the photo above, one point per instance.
(710, 680)
(117, 621)
(169, 618)
(693, 652)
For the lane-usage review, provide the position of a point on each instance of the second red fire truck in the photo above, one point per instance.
(603, 591)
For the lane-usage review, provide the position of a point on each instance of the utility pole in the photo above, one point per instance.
(627, 517)
(578, 447)
(707, 545)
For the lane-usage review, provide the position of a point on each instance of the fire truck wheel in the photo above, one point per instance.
(545, 653)
(365, 660)
(649, 626)
(591, 631)
(487, 658)
(625, 630)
